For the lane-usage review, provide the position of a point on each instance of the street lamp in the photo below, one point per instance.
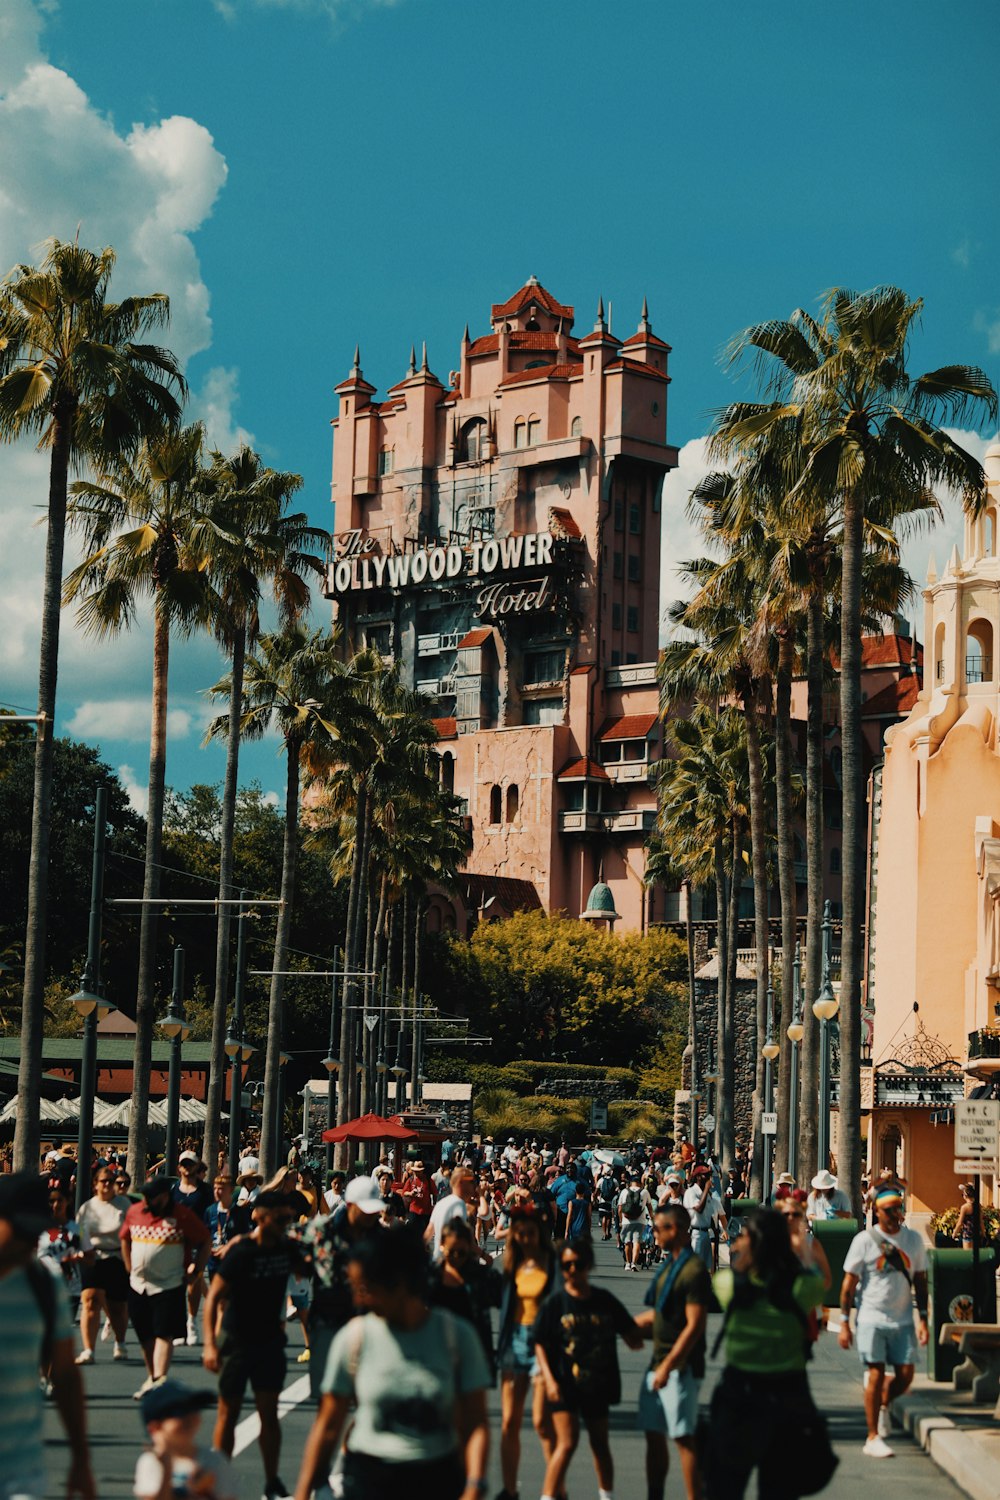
(825, 1007)
(90, 1004)
(770, 1051)
(795, 1033)
(174, 1025)
(331, 1063)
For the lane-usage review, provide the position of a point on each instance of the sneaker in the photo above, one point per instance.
(120, 1352)
(884, 1422)
(85, 1357)
(105, 1331)
(275, 1491)
(303, 1358)
(877, 1447)
(192, 1333)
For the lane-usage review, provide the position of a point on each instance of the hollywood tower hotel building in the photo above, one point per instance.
(499, 536)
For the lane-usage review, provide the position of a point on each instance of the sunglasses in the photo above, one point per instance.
(570, 1265)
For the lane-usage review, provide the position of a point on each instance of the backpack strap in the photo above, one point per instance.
(43, 1289)
(891, 1254)
(785, 1305)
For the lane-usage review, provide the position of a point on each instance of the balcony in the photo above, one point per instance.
(436, 687)
(581, 822)
(627, 770)
(984, 1053)
(978, 668)
(631, 820)
(637, 674)
(431, 645)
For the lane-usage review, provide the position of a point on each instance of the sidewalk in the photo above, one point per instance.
(963, 1439)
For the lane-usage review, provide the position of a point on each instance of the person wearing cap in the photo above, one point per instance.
(827, 1200)
(195, 1194)
(176, 1466)
(34, 1317)
(249, 1184)
(889, 1265)
(244, 1332)
(164, 1247)
(325, 1243)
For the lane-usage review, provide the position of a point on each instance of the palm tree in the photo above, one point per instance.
(74, 371)
(260, 544)
(146, 536)
(295, 682)
(869, 432)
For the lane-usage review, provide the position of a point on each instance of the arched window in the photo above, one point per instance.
(472, 441)
(939, 653)
(448, 772)
(386, 461)
(496, 804)
(835, 860)
(513, 803)
(532, 325)
(520, 433)
(979, 652)
(891, 1150)
(576, 427)
(534, 430)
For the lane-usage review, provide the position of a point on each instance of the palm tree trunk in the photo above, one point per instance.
(854, 835)
(145, 1003)
(758, 841)
(809, 1072)
(368, 1076)
(786, 884)
(692, 997)
(27, 1131)
(347, 1018)
(217, 1061)
(361, 949)
(724, 1125)
(418, 1020)
(271, 1131)
(732, 957)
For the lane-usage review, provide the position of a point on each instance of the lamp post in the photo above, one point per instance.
(825, 1007)
(174, 1025)
(399, 1068)
(770, 1051)
(235, 1046)
(90, 1004)
(796, 1031)
(331, 1063)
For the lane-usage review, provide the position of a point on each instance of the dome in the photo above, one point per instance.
(991, 462)
(600, 904)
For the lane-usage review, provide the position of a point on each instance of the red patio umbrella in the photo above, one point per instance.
(369, 1128)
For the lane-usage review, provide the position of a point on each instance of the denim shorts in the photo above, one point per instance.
(631, 1230)
(886, 1345)
(674, 1409)
(519, 1357)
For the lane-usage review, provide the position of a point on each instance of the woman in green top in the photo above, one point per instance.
(762, 1414)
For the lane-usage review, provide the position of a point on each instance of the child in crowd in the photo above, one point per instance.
(176, 1466)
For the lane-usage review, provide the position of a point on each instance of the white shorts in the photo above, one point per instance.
(674, 1409)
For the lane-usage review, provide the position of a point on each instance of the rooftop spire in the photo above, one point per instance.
(423, 361)
(356, 367)
(599, 325)
(644, 319)
(465, 335)
(412, 367)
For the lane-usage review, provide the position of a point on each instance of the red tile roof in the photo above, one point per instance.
(584, 769)
(629, 727)
(447, 729)
(531, 292)
(603, 334)
(892, 701)
(646, 338)
(635, 367)
(477, 637)
(565, 522)
(885, 651)
(543, 372)
(489, 343)
(584, 666)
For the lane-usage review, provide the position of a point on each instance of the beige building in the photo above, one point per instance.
(935, 930)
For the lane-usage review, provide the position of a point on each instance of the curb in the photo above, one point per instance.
(970, 1456)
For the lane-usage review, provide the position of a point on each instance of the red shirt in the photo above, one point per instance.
(420, 1197)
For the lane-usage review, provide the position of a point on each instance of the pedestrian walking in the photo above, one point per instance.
(165, 1247)
(576, 1337)
(888, 1263)
(176, 1466)
(605, 1193)
(64, 1247)
(577, 1225)
(707, 1218)
(677, 1303)
(467, 1284)
(634, 1207)
(244, 1330)
(195, 1194)
(418, 1379)
(34, 1316)
(454, 1205)
(762, 1412)
(224, 1221)
(104, 1280)
(418, 1192)
(826, 1200)
(529, 1274)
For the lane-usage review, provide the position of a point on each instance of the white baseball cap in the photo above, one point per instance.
(363, 1192)
(187, 1156)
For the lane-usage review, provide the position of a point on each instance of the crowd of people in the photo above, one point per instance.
(419, 1287)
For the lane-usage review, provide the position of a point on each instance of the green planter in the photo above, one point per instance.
(950, 1283)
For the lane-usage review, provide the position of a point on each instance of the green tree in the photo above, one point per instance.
(870, 433)
(74, 371)
(146, 536)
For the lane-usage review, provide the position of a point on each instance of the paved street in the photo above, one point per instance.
(116, 1432)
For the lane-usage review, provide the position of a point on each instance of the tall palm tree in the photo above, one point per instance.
(146, 536)
(295, 682)
(261, 546)
(869, 430)
(74, 371)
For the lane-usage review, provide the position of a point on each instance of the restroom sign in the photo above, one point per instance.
(977, 1129)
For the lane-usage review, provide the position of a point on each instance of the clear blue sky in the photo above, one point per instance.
(392, 168)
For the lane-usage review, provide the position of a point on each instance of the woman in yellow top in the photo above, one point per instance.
(762, 1414)
(529, 1269)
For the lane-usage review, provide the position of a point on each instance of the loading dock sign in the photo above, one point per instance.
(977, 1131)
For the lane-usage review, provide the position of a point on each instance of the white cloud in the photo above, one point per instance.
(680, 538)
(337, 10)
(214, 404)
(988, 322)
(271, 799)
(125, 719)
(136, 791)
(963, 253)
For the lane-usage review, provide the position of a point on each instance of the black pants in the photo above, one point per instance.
(751, 1423)
(367, 1478)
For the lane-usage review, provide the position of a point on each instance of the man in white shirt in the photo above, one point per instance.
(454, 1206)
(827, 1200)
(705, 1208)
(889, 1264)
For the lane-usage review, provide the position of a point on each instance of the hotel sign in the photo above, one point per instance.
(360, 567)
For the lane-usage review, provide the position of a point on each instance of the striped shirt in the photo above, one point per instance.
(161, 1246)
(22, 1329)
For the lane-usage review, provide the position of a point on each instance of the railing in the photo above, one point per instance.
(978, 668)
(636, 674)
(985, 1043)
